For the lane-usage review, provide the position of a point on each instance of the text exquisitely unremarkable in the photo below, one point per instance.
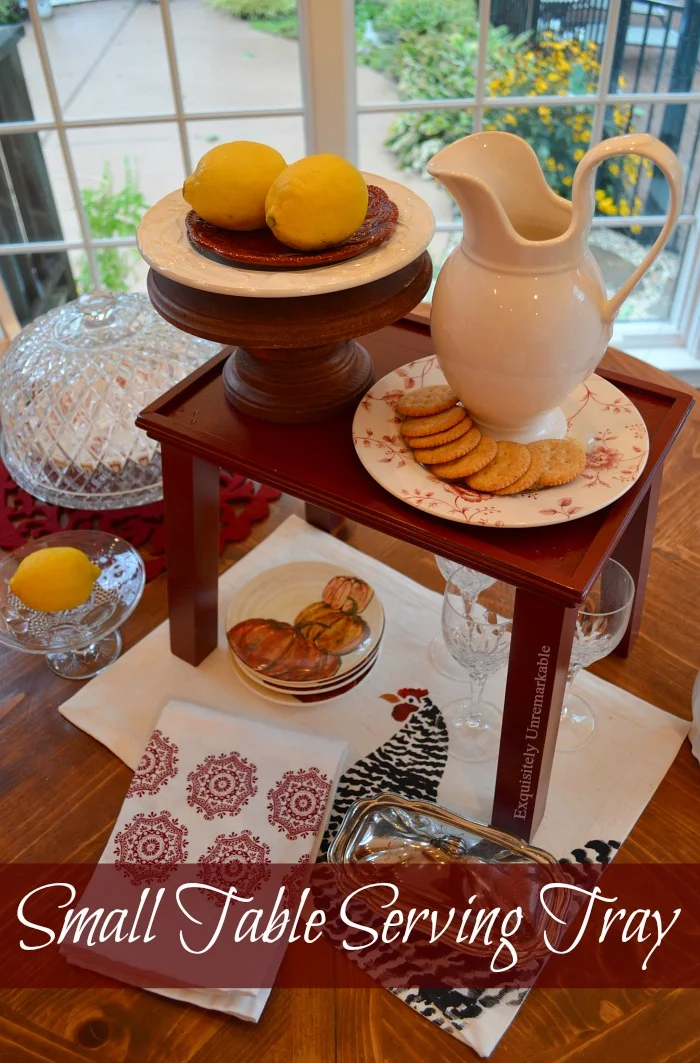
(532, 733)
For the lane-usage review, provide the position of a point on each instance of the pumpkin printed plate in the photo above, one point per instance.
(329, 684)
(304, 625)
(289, 697)
(600, 416)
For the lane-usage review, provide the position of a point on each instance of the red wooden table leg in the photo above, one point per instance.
(540, 650)
(634, 552)
(191, 500)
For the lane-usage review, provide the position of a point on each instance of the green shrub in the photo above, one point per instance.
(429, 48)
(10, 12)
(268, 10)
(111, 213)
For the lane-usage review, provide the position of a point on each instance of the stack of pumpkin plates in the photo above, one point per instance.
(304, 632)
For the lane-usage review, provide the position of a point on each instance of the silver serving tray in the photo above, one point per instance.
(391, 830)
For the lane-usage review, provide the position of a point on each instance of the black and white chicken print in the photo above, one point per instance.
(412, 763)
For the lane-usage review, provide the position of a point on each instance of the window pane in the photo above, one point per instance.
(122, 170)
(284, 134)
(33, 184)
(657, 48)
(548, 63)
(23, 92)
(416, 49)
(677, 125)
(227, 63)
(619, 252)
(108, 58)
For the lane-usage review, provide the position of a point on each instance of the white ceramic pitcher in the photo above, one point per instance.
(520, 316)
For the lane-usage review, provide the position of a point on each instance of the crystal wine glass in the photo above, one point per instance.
(471, 584)
(477, 633)
(601, 622)
(78, 643)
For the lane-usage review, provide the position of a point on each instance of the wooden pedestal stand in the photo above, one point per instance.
(551, 568)
(296, 360)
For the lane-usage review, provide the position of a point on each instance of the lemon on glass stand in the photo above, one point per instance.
(108, 582)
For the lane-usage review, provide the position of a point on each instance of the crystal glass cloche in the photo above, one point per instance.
(71, 386)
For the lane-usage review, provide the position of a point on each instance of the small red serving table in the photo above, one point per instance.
(551, 568)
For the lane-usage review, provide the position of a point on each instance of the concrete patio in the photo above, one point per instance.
(109, 59)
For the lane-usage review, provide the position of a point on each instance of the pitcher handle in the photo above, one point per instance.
(584, 199)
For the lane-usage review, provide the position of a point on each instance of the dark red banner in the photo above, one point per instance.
(241, 926)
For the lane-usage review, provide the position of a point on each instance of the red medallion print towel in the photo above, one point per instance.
(229, 796)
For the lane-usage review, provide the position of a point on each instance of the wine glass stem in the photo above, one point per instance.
(573, 672)
(478, 682)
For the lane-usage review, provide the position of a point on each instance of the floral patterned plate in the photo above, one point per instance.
(599, 415)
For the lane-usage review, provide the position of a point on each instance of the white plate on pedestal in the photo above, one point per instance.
(164, 244)
(599, 416)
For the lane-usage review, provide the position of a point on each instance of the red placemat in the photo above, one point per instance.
(22, 517)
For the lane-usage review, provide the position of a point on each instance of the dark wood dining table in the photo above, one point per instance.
(60, 792)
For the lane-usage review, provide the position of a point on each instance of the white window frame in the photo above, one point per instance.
(331, 114)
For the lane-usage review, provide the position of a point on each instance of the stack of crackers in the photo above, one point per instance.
(444, 438)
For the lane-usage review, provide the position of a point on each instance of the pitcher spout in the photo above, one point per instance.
(510, 213)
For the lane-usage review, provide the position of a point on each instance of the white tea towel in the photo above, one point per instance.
(399, 737)
(229, 795)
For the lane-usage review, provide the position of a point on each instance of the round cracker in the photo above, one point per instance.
(428, 426)
(451, 451)
(528, 478)
(562, 461)
(476, 459)
(426, 401)
(439, 438)
(511, 461)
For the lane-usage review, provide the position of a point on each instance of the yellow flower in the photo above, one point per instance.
(545, 114)
(622, 82)
(578, 154)
(599, 194)
(586, 136)
(510, 119)
(614, 169)
(635, 229)
(567, 181)
(551, 164)
(553, 76)
(624, 206)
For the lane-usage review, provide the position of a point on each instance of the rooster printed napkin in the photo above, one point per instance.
(229, 795)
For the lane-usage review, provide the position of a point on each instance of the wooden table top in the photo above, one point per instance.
(61, 792)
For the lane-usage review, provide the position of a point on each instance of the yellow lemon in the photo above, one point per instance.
(316, 202)
(229, 185)
(56, 578)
